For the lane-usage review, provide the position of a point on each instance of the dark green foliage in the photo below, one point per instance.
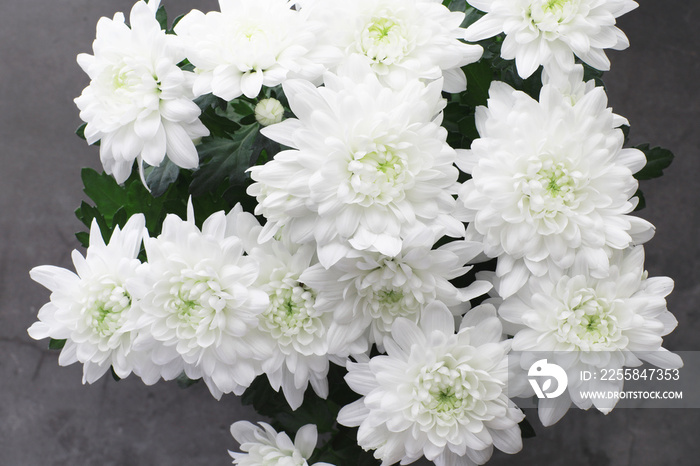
(56, 344)
(225, 160)
(658, 160)
(185, 382)
(114, 374)
(341, 446)
(526, 429)
(161, 177)
(114, 203)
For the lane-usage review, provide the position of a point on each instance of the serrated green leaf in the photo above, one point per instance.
(161, 177)
(84, 238)
(658, 159)
(104, 191)
(86, 213)
(223, 160)
(56, 344)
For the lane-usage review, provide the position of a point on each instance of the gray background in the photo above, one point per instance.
(47, 417)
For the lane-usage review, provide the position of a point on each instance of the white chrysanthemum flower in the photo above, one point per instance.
(199, 306)
(263, 446)
(90, 310)
(402, 40)
(367, 291)
(540, 32)
(368, 163)
(268, 112)
(250, 44)
(436, 393)
(292, 326)
(139, 103)
(591, 324)
(551, 184)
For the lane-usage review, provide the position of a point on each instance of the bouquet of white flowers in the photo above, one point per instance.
(411, 206)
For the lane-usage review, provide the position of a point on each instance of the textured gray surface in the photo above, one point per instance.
(47, 417)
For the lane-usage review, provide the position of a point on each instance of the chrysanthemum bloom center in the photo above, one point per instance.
(378, 175)
(103, 305)
(196, 302)
(383, 40)
(448, 393)
(548, 15)
(550, 188)
(589, 322)
(252, 46)
(291, 317)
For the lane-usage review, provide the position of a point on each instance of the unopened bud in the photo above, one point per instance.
(269, 111)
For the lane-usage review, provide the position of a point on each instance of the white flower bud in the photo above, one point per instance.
(269, 111)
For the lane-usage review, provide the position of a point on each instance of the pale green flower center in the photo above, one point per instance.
(383, 40)
(291, 318)
(550, 188)
(378, 175)
(104, 308)
(589, 322)
(548, 15)
(289, 308)
(196, 302)
(450, 393)
(386, 304)
(555, 4)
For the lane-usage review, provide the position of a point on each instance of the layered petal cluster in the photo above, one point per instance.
(250, 44)
(264, 446)
(368, 291)
(436, 393)
(90, 309)
(367, 164)
(139, 103)
(544, 32)
(591, 324)
(199, 309)
(401, 40)
(551, 185)
(295, 329)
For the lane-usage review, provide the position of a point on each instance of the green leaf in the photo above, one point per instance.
(162, 18)
(56, 344)
(104, 191)
(175, 21)
(526, 429)
(114, 374)
(224, 159)
(642, 201)
(81, 131)
(214, 116)
(161, 177)
(658, 160)
(455, 5)
(185, 382)
(479, 77)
